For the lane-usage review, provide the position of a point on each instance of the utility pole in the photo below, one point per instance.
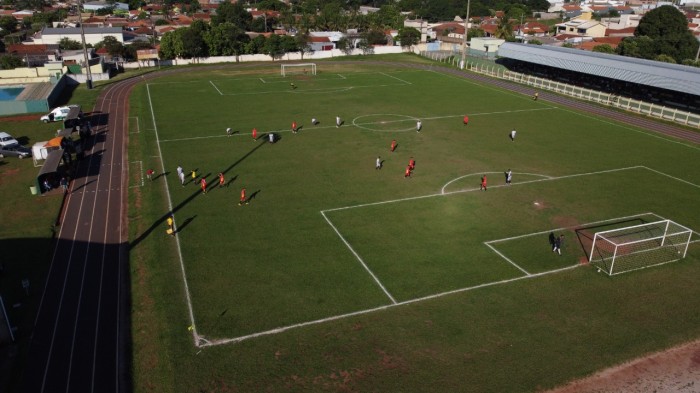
(88, 82)
(463, 63)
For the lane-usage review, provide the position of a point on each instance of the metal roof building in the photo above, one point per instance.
(673, 77)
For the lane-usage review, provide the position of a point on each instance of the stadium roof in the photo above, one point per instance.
(673, 77)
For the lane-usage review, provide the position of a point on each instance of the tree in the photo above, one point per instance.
(232, 13)
(271, 5)
(604, 48)
(193, 44)
(9, 62)
(113, 46)
(226, 39)
(643, 47)
(409, 36)
(668, 28)
(68, 44)
(374, 37)
(665, 59)
(8, 23)
(388, 17)
(171, 44)
(255, 45)
(273, 47)
(345, 44)
(504, 30)
(302, 43)
(534, 42)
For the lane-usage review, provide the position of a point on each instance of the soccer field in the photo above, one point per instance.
(326, 237)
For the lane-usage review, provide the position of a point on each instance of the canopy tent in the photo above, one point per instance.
(54, 142)
(50, 170)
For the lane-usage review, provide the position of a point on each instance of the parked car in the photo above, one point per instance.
(7, 140)
(58, 114)
(15, 151)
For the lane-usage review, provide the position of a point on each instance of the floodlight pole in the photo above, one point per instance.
(463, 63)
(697, 55)
(88, 82)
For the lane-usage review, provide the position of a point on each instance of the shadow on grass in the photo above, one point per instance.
(161, 220)
(586, 234)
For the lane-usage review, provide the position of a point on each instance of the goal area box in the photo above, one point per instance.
(298, 69)
(636, 247)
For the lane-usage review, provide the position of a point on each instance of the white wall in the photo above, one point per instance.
(249, 58)
(49, 39)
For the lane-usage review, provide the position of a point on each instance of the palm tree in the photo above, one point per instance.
(504, 29)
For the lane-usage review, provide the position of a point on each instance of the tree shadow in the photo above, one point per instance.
(160, 220)
(185, 223)
(166, 173)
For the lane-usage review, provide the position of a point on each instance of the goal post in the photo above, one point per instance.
(298, 69)
(636, 247)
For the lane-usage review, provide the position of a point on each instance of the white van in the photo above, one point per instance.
(58, 114)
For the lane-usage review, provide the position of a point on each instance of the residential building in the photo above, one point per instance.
(49, 35)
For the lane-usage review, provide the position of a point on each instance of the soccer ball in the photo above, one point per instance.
(598, 270)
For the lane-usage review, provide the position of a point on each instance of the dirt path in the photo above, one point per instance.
(673, 370)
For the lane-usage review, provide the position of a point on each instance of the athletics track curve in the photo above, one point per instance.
(81, 339)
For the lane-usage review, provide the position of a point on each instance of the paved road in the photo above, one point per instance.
(81, 340)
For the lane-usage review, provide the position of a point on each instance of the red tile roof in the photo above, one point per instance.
(21, 49)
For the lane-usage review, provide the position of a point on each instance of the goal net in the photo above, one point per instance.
(298, 69)
(640, 246)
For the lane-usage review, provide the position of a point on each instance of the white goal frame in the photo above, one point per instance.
(625, 249)
(304, 66)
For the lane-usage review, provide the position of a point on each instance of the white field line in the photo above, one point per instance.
(505, 239)
(412, 119)
(497, 89)
(442, 191)
(247, 134)
(507, 259)
(640, 131)
(138, 126)
(660, 217)
(380, 308)
(262, 80)
(475, 189)
(429, 297)
(140, 172)
(552, 178)
(371, 273)
(217, 89)
(398, 79)
(315, 79)
(342, 76)
(672, 177)
(190, 310)
(321, 90)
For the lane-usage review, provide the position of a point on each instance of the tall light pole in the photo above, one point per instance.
(697, 55)
(88, 82)
(463, 63)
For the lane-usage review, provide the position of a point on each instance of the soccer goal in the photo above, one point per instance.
(299, 69)
(636, 247)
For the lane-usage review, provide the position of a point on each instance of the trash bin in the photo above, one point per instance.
(33, 190)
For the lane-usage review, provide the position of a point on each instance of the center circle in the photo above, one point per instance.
(385, 122)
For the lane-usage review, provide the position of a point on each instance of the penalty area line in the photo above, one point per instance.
(380, 308)
(371, 273)
(217, 89)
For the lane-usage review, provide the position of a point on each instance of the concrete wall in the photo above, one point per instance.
(292, 56)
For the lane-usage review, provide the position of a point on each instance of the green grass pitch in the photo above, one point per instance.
(328, 240)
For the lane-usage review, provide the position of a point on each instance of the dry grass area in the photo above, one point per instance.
(674, 370)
